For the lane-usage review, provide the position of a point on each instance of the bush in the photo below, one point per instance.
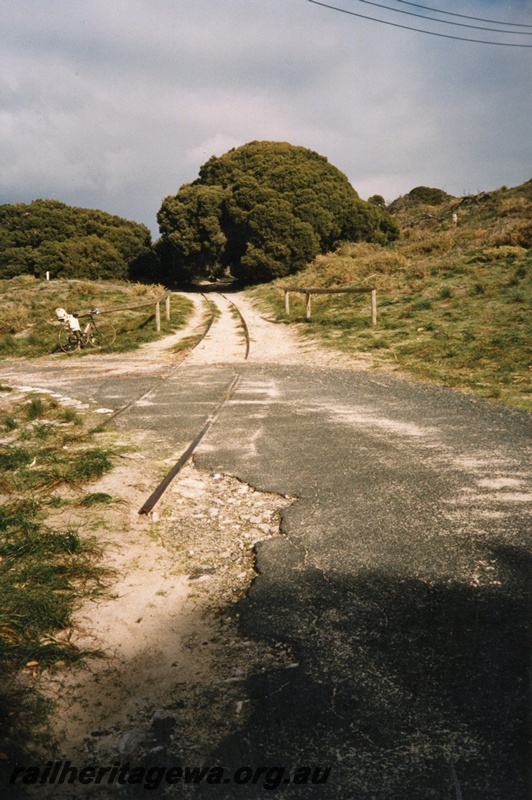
(503, 252)
(263, 211)
(516, 234)
(419, 196)
(428, 196)
(48, 236)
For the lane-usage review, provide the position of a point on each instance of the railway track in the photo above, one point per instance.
(174, 369)
(150, 503)
(220, 338)
(243, 323)
(218, 316)
(159, 381)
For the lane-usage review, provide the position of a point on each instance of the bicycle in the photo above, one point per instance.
(95, 334)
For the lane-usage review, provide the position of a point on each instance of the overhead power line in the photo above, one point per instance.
(417, 30)
(465, 16)
(443, 21)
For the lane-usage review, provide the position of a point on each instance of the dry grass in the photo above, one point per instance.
(29, 327)
(453, 306)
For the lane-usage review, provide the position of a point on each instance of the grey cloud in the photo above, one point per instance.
(115, 105)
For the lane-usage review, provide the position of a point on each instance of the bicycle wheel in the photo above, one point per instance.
(68, 341)
(101, 333)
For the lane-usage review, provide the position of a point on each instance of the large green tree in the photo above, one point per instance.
(192, 238)
(262, 211)
(69, 242)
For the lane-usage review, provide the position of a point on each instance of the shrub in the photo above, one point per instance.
(514, 205)
(428, 196)
(518, 233)
(48, 236)
(420, 195)
(503, 252)
(262, 211)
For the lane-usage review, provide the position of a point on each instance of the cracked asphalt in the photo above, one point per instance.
(401, 580)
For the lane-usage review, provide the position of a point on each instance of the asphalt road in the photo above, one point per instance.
(400, 580)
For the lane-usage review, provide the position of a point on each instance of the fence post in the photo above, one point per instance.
(373, 307)
(158, 317)
(286, 302)
(167, 303)
(308, 305)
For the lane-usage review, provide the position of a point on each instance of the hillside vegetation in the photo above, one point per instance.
(262, 211)
(69, 242)
(453, 296)
(29, 327)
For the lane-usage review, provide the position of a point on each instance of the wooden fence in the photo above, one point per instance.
(309, 292)
(130, 306)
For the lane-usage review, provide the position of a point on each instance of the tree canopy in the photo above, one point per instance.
(69, 242)
(263, 211)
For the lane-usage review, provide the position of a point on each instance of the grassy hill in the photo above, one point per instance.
(28, 324)
(453, 294)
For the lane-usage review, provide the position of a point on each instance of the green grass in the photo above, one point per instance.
(96, 498)
(42, 573)
(453, 303)
(46, 568)
(238, 319)
(216, 313)
(187, 343)
(39, 465)
(29, 327)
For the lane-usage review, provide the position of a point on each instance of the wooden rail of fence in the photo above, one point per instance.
(156, 301)
(341, 290)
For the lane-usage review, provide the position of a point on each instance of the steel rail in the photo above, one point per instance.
(159, 491)
(207, 329)
(148, 506)
(129, 405)
(161, 488)
(244, 324)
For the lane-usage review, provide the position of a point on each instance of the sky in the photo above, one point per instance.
(115, 104)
